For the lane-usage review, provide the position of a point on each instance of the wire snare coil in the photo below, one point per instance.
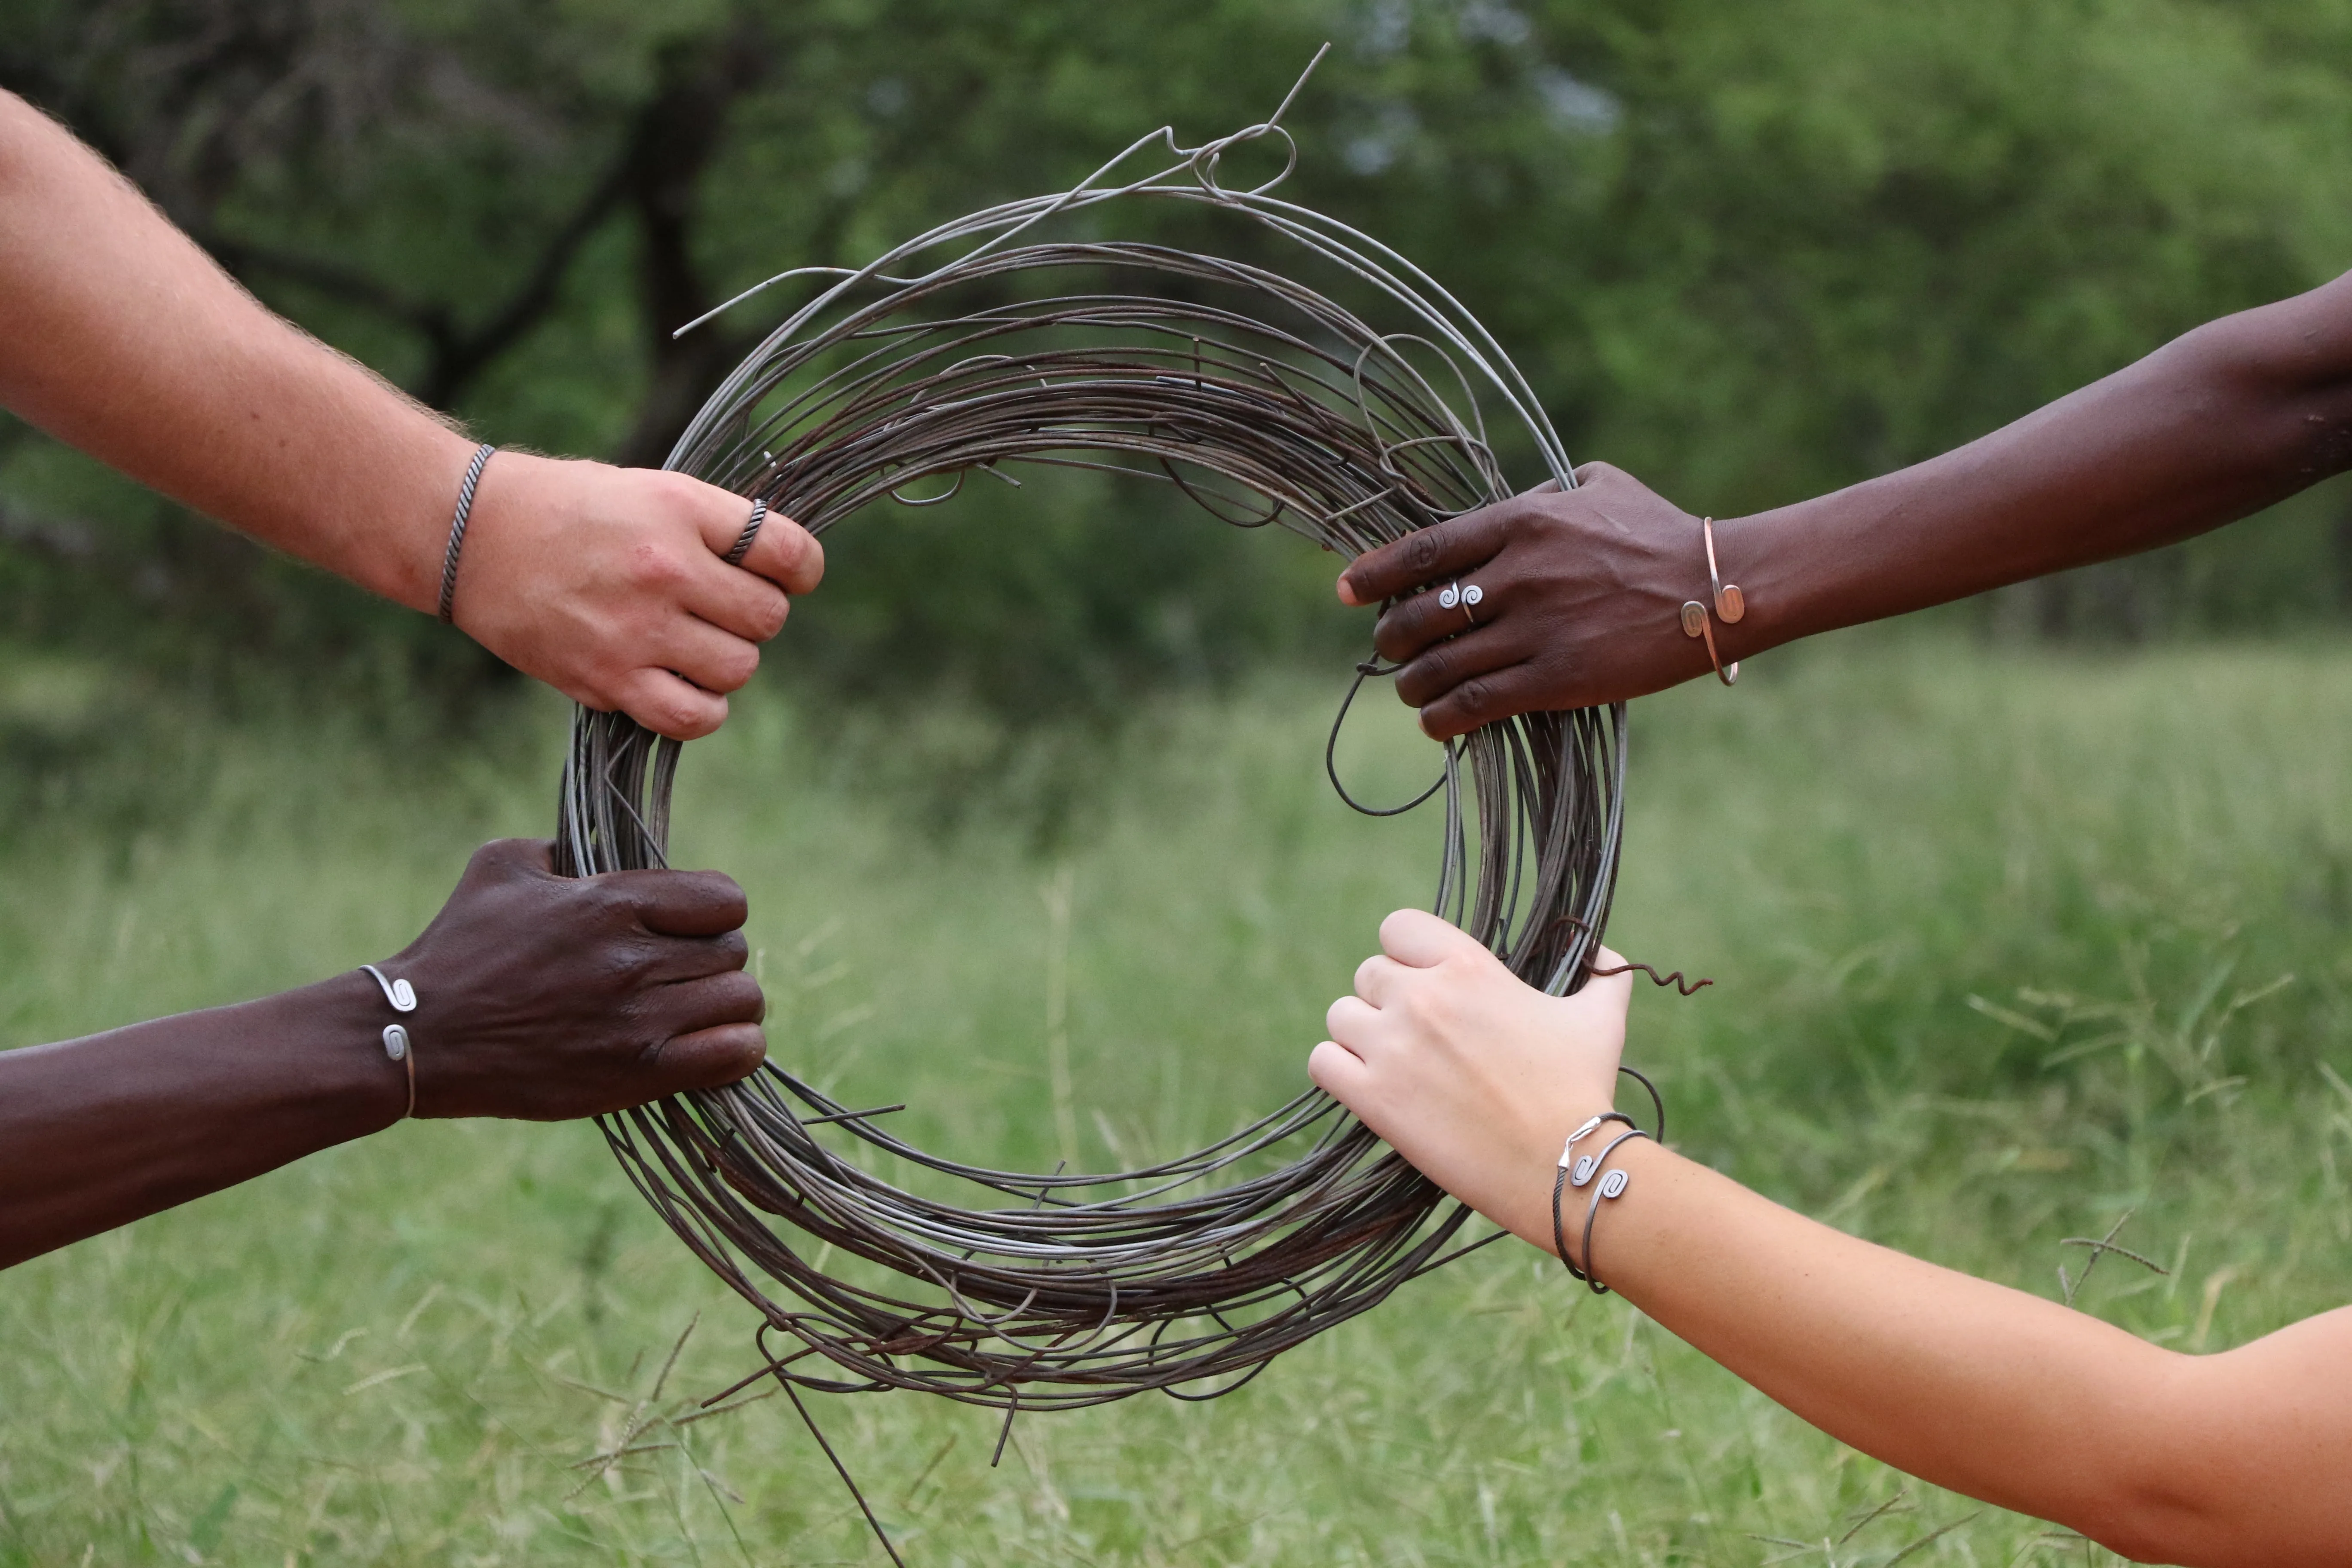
(1267, 402)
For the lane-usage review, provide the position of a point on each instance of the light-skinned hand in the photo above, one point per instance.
(611, 585)
(1470, 1073)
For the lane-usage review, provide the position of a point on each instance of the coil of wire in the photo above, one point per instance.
(988, 344)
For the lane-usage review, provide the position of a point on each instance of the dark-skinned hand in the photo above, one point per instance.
(548, 997)
(1581, 600)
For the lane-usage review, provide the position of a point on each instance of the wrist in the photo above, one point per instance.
(1762, 554)
(507, 533)
(1521, 1181)
(404, 556)
(1589, 1190)
(332, 465)
(385, 527)
(332, 1058)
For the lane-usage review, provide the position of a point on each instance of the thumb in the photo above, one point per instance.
(1418, 940)
(709, 1057)
(1609, 989)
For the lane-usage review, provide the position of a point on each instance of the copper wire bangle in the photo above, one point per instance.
(1729, 604)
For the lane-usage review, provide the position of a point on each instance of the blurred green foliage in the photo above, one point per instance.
(1749, 252)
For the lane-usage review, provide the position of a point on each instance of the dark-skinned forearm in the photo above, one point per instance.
(537, 997)
(2219, 424)
(99, 1131)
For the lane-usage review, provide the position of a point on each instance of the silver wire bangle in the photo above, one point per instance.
(396, 1043)
(396, 1046)
(1613, 1185)
(751, 532)
(399, 993)
(458, 532)
(1560, 1183)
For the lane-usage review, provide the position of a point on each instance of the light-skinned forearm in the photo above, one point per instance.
(1986, 1390)
(119, 336)
(2215, 426)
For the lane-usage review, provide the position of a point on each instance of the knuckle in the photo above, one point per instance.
(681, 495)
(1421, 550)
(769, 617)
(680, 717)
(807, 556)
(1475, 698)
(610, 902)
(743, 995)
(636, 960)
(655, 568)
(741, 663)
(1556, 668)
(1421, 681)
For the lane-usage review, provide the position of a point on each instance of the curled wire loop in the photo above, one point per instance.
(1265, 401)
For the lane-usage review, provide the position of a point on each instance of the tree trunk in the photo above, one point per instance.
(677, 136)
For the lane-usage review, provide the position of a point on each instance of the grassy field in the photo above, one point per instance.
(2006, 949)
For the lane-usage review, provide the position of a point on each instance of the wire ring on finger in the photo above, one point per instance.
(751, 532)
(1459, 595)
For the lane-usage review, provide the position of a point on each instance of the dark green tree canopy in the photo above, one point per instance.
(1749, 252)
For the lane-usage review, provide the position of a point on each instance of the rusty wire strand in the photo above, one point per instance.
(1268, 402)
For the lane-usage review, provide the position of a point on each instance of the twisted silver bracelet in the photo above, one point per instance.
(458, 531)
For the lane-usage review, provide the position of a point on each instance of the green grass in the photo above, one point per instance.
(1999, 945)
